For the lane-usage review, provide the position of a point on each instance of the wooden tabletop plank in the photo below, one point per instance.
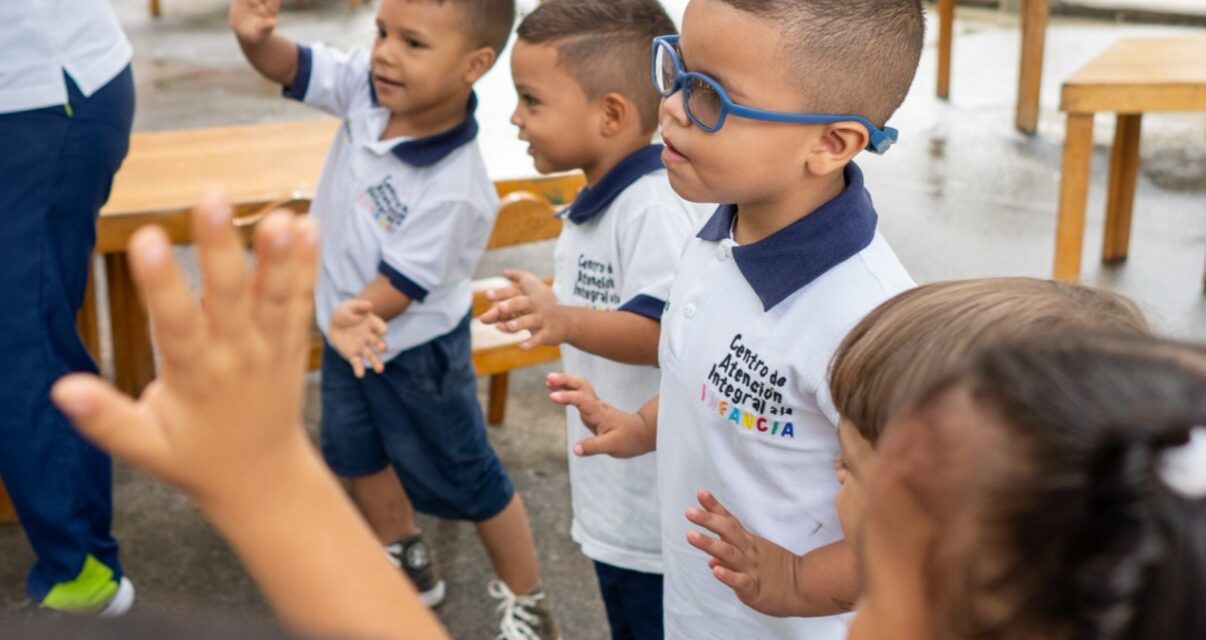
(166, 171)
(1141, 74)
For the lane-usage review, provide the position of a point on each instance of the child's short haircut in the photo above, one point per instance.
(907, 343)
(488, 21)
(606, 45)
(848, 56)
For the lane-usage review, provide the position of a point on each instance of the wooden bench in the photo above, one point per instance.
(1134, 76)
(1030, 69)
(259, 166)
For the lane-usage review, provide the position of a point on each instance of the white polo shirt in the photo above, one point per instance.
(40, 39)
(745, 409)
(417, 210)
(618, 251)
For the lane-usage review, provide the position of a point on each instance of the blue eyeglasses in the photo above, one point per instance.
(707, 103)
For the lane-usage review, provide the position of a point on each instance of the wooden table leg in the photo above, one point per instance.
(1124, 167)
(8, 515)
(86, 319)
(1030, 72)
(133, 357)
(946, 27)
(497, 409)
(1073, 193)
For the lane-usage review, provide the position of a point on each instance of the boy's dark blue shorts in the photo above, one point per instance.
(633, 601)
(422, 416)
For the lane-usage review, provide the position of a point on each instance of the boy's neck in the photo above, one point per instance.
(759, 220)
(609, 157)
(430, 121)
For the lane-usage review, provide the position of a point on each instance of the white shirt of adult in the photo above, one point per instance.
(40, 39)
(745, 408)
(618, 251)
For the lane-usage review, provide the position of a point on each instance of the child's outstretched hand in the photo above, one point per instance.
(618, 434)
(761, 573)
(253, 20)
(528, 305)
(356, 333)
(208, 417)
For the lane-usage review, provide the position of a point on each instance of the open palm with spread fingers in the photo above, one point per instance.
(231, 381)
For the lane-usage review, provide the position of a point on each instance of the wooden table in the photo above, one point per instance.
(1132, 77)
(1030, 68)
(161, 179)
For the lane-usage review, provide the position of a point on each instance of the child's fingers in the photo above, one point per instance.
(223, 268)
(375, 361)
(357, 366)
(612, 443)
(358, 307)
(378, 326)
(175, 317)
(741, 583)
(567, 381)
(502, 293)
(111, 420)
(516, 275)
(536, 340)
(575, 398)
(727, 527)
(515, 307)
(727, 554)
(273, 273)
(531, 323)
(304, 261)
(709, 502)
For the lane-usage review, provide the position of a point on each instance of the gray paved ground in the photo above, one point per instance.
(962, 195)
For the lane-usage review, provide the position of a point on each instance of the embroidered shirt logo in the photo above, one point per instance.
(596, 283)
(743, 379)
(382, 201)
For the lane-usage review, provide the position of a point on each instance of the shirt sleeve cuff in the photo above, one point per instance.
(402, 283)
(301, 79)
(644, 305)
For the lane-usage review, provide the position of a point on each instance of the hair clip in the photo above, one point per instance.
(1183, 468)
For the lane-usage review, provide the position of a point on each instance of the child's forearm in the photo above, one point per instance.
(616, 335)
(826, 581)
(297, 566)
(275, 58)
(388, 301)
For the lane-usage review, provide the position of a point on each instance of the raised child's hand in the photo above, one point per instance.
(356, 333)
(760, 572)
(226, 406)
(253, 20)
(528, 305)
(618, 434)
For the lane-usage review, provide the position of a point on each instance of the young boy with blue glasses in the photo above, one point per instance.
(585, 102)
(405, 206)
(765, 105)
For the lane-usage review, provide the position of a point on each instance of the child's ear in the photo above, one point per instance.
(837, 146)
(479, 62)
(617, 112)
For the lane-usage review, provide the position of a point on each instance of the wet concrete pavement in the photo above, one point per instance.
(962, 195)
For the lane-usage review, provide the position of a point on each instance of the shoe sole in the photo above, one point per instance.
(434, 596)
(121, 602)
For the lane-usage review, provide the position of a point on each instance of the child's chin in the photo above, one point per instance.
(688, 188)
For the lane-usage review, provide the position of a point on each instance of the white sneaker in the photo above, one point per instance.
(121, 602)
(526, 617)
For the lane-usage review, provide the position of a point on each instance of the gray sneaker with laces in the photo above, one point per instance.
(413, 556)
(526, 617)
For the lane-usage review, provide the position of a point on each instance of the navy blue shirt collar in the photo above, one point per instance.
(424, 152)
(791, 258)
(592, 201)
